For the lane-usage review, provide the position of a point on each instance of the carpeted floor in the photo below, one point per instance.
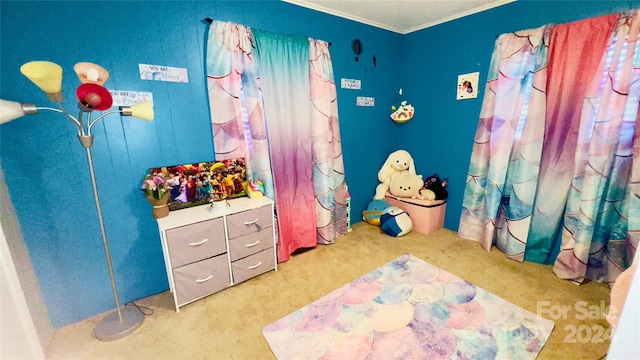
(228, 324)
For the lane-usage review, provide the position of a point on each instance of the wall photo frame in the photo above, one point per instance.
(468, 86)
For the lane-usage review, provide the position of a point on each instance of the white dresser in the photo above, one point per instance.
(206, 250)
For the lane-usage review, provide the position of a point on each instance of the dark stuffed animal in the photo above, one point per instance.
(438, 186)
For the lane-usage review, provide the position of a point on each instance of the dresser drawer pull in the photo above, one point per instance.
(252, 244)
(254, 222)
(205, 279)
(255, 266)
(198, 243)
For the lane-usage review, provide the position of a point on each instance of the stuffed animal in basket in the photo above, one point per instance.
(438, 186)
(397, 162)
(410, 186)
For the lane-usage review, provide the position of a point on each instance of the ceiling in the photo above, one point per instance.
(400, 16)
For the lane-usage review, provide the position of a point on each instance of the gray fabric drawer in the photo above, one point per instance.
(247, 222)
(253, 265)
(200, 279)
(249, 244)
(191, 243)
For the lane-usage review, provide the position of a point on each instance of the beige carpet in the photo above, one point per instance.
(228, 324)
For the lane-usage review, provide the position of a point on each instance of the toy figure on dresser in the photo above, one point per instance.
(218, 201)
(438, 186)
(256, 189)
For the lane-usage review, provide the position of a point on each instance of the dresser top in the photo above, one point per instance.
(195, 214)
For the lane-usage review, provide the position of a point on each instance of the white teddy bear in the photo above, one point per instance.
(397, 162)
(410, 186)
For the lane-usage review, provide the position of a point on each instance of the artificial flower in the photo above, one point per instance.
(155, 186)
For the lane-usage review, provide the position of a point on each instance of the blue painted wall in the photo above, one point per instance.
(45, 166)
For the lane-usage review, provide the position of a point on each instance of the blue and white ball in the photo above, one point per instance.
(395, 221)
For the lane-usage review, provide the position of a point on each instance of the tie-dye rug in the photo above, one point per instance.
(409, 309)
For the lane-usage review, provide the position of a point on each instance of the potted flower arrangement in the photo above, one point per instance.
(157, 190)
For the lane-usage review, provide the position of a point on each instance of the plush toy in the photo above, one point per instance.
(395, 222)
(374, 210)
(410, 186)
(397, 162)
(438, 186)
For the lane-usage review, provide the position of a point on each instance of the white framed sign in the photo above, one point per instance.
(468, 86)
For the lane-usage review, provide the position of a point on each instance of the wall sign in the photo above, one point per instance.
(128, 98)
(365, 101)
(350, 84)
(163, 73)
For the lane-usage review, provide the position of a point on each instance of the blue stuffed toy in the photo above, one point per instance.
(374, 210)
(395, 222)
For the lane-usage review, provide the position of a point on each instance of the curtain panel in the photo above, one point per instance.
(554, 171)
(273, 101)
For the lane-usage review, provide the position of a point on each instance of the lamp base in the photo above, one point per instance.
(111, 328)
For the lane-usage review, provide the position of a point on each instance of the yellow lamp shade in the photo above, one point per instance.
(45, 74)
(143, 110)
(91, 73)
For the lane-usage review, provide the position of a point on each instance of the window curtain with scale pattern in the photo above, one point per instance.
(273, 101)
(554, 175)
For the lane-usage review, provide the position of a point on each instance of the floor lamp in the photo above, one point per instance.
(91, 96)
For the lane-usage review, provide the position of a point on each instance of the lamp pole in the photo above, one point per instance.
(125, 320)
(91, 96)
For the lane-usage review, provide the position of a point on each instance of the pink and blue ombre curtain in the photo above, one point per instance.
(283, 88)
(554, 175)
(232, 76)
(326, 146)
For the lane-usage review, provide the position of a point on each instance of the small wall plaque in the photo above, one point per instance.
(468, 86)
(365, 101)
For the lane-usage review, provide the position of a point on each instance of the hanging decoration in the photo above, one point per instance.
(402, 110)
(356, 47)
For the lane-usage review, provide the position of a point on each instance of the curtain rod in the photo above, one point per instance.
(210, 20)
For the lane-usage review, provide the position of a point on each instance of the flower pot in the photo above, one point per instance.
(160, 206)
(160, 211)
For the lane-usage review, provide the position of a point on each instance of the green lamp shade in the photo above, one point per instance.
(45, 74)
